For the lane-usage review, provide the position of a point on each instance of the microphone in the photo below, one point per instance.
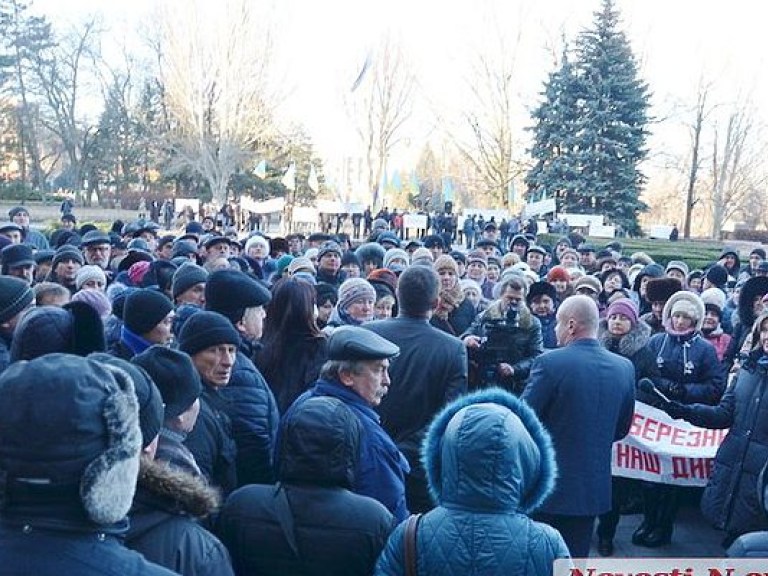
(647, 385)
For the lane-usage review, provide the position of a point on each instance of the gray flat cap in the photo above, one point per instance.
(354, 343)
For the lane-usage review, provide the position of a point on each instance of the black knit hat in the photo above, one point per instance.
(67, 252)
(187, 276)
(150, 401)
(175, 376)
(230, 292)
(16, 255)
(206, 329)
(15, 296)
(144, 309)
(326, 292)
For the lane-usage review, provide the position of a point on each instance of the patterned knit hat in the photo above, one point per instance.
(355, 289)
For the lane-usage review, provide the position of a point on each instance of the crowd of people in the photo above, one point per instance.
(202, 403)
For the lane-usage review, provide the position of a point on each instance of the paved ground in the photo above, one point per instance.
(692, 538)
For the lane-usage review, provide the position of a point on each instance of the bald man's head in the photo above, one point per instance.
(577, 318)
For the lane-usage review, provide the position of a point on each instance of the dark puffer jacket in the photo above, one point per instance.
(459, 319)
(633, 346)
(310, 523)
(489, 463)
(730, 499)
(253, 411)
(163, 527)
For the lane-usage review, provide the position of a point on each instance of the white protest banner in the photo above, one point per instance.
(414, 220)
(660, 449)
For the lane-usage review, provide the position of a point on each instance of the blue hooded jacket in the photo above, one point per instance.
(489, 464)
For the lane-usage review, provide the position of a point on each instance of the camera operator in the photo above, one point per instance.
(503, 341)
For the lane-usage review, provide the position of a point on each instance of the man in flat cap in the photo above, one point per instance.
(356, 373)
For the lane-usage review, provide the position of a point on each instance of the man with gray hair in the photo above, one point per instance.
(585, 396)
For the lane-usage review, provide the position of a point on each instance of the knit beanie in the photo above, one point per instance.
(96, 299)
(446, 262)
(186, 276)
(15, 296)
(301, 264)
(677, 265)
(625, 307)
(717, 275)
(175, 376)
(350, 257)
(66, 252)
(144, 309)
(477, 256)
(183, 248)
(395, 254)
(137, 272)
(90, 272)
(205, 329)
(355, 289)
(327, 248)
(230, 292)
(422, 255)
(588, 282)
(759, 251)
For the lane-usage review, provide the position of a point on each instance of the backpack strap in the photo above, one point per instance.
(411, 527)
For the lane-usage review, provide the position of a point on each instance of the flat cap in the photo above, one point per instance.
(355, 343)
(95, 237)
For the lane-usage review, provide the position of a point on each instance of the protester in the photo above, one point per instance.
(310, 522)
(16, 297)
(454, 313)
(355, 305)
(69, 471)
(490, 464)
(581, 386)
(730, 500)
(147, 320)
(357, 374)
(429, 372)
(293, 349)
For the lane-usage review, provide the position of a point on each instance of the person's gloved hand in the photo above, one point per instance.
(676, 410)
(676, 392)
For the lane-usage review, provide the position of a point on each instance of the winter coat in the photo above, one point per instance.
(653, 323)
(52, 536)
(163, 522)
(754, 544)
(524, 343)
(634, 347)
(459, 319)
(720, 340)
(335, 531)
(688, 366)
(5, 352)
(253, 411)
(548, 334)
(296, 370)
(382, 468)
(212, 443)
(172, 451)
(585, 396)
(730, 500)
(490, 463)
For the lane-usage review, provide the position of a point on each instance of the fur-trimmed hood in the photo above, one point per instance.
(489, 451)
(629, 344)
(162, 487)
(693, 299)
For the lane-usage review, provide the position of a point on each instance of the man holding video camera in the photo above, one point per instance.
(504, 340)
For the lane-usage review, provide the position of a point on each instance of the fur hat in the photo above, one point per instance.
(257, 240)
(383, 277)
(230, 292)
(446, 262)
(144, 309)
(205, 329)
(371, 252)
(66, 421)
(354, 289)
(713, 297)
(76, 328)
(175, 376)
(186, 276)
(541, 288)
(686, 303)
(15, 296)
(90, 272)
(625, 307)
(660, 289)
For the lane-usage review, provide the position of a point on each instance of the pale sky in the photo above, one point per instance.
(323, 43)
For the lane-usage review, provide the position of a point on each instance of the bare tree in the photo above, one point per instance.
(486, 138)
(696, 129)
(381, 102)
(736, 165)
(215, 75)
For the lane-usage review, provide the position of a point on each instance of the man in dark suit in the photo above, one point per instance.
(585, 396)
(430, 371)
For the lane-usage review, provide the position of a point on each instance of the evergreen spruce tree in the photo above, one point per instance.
(604, 131)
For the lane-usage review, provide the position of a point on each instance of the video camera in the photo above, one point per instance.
(497, 347)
